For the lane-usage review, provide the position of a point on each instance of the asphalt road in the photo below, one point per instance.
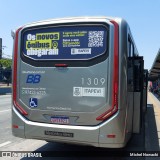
(11, 143)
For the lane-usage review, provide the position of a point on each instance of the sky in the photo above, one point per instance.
(143, 17)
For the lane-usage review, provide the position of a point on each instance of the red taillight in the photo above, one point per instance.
(114, 107)
(14, 126)
(61, 65)
(15, 75)
(111, 136)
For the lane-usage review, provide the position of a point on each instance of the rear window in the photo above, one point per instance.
(64, 42)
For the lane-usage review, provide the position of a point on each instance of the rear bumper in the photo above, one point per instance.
(82, 135)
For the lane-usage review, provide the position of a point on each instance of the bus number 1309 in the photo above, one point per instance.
(93, 81)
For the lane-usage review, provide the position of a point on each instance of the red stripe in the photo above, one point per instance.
(15, 75)
(114, 107)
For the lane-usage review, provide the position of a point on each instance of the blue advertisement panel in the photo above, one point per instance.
(65, 43)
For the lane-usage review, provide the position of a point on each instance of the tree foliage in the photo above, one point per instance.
(7, 63)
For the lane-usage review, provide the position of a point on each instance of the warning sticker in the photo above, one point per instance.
(88, 92)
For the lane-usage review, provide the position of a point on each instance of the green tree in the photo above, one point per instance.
(6, 71)
(7, 63)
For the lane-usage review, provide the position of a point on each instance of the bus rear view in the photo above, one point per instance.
(66, 82)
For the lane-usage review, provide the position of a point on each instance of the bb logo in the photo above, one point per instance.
(33, 78)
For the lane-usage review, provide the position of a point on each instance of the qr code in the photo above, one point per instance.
(95, 38)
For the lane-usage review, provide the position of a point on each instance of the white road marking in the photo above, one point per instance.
(5, 143)
(6, 96)
(5, 110)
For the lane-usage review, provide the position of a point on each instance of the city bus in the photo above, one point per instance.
(73, 82)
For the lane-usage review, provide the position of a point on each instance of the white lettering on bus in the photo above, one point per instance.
(42, 52)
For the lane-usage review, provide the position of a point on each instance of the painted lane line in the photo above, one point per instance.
(5, 143)
(5, 110)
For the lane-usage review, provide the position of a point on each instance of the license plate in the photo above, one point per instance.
(61, 134)
(60, 120)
